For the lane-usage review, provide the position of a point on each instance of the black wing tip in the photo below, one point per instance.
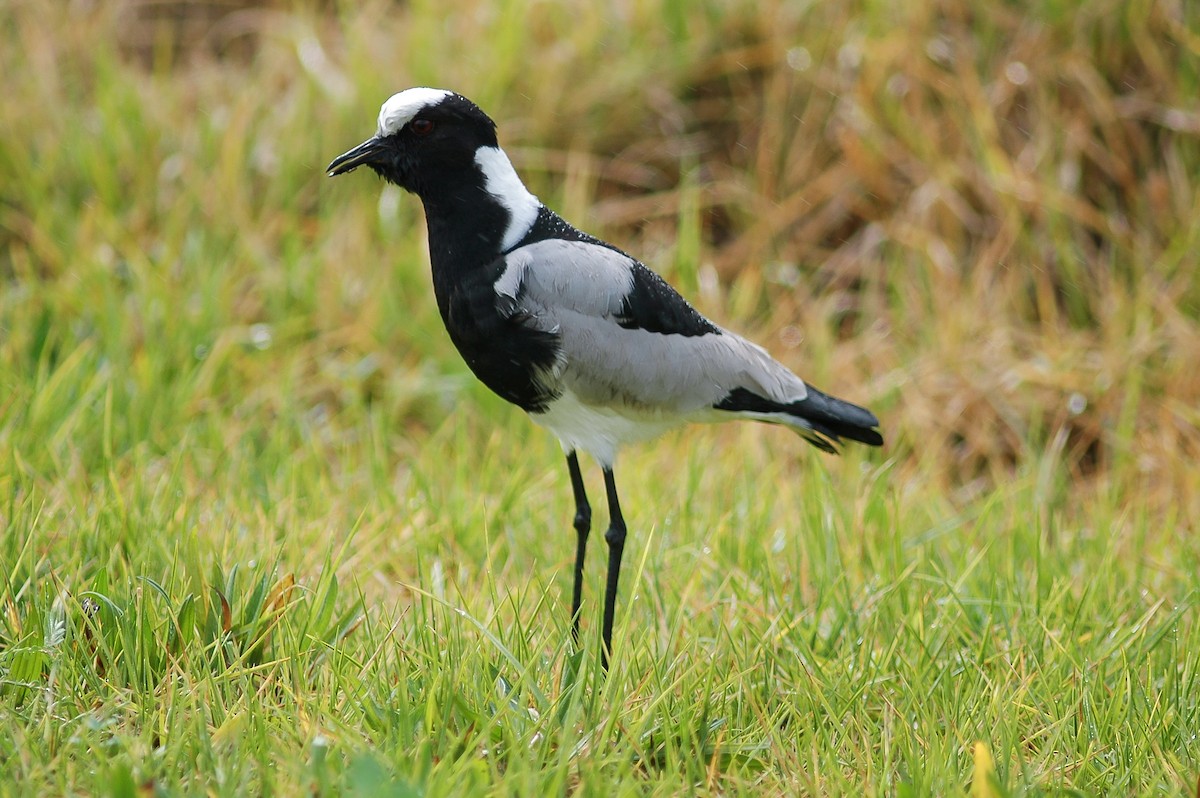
(826, 419)
(829, 437)
(871, 437)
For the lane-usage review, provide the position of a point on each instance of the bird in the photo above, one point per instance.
(591, 343)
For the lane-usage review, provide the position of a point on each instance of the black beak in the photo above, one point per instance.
(364, 154)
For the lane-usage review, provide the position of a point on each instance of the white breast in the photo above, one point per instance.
(598, 430)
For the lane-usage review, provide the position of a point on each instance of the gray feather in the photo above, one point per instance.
(567, 275)
(575, 290)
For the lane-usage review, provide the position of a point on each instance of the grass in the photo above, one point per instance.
(262, 534)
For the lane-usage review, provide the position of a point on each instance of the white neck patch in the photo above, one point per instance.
(399, 109)
(501, 181)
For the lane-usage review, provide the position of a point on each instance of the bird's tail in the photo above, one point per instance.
(819, 418)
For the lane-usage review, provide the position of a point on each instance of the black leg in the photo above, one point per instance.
(583, 525)
(616, 546)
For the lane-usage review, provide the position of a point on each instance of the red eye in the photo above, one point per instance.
(421, 127)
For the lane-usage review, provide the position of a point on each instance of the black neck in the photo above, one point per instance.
(466, 228)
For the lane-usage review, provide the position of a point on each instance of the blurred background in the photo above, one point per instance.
(979, 219)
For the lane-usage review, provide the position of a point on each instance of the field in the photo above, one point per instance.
(261, 532)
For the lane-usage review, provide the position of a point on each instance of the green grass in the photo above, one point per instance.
(261, 533)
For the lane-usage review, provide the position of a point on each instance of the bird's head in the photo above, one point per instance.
(423, 136)
(440, 146)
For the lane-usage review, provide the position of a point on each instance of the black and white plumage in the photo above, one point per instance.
(592, 344)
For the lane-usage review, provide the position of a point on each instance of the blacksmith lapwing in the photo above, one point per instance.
(588, 341)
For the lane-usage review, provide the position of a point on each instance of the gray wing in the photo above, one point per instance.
(629, 340)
